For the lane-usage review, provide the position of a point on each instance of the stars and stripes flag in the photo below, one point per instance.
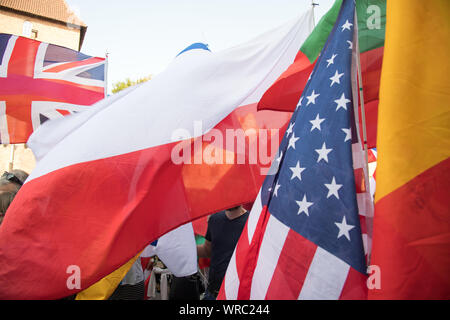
(306, 236)
(41, 81)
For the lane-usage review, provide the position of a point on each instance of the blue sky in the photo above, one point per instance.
(143, 36)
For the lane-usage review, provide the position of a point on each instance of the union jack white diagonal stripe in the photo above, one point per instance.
(41, 81)
(308, 234)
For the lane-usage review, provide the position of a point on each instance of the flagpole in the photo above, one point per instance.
(363, 122)
(11, 159)
(361, 91)
(313, 5)
(106, 73)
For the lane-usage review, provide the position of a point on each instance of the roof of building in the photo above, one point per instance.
(57, 10)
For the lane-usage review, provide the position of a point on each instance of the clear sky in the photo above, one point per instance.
(143, 36)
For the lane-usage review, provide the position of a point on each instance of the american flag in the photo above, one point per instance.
(306, 236)
(41, 81)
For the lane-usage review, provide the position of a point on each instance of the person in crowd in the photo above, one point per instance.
(6, 197)
(222, 235)
(186, 288)
(12, 181)
(132, 286)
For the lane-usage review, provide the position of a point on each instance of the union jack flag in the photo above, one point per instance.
(41, 81)
(307, 235)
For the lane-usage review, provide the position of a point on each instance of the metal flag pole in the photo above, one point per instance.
(361, 96)
(313, 5)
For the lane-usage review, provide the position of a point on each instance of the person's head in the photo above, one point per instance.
(8, 186)
(20, 174)
(12, 181)
(6, 197)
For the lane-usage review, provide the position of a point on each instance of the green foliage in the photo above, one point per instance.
(120, 85)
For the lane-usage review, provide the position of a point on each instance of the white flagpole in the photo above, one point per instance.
(11, 159)
(106, 73)
(313, 5)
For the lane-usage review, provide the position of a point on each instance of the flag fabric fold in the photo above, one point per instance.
(304, 238)
(411, 231)
(112, 179)
(177, 249)
(41, 81)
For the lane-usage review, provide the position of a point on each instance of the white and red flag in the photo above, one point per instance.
(41, 81)
(112, 179)
(306, 236)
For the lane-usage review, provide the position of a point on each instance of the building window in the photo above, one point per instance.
(26, 29)
(34, 34)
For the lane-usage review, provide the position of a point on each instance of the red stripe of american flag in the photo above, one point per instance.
(292, 268)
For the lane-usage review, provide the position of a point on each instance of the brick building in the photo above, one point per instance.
(49, 21)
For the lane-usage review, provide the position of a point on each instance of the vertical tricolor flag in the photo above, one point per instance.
(41, 81)
(112, 179)
(304, 236)
(284, 94)
(411, 231)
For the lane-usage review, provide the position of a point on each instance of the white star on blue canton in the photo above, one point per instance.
(280, 156)
(323, 153)
(333, 188)
(346, 25)
(331, 60)
(348, 134)
(291, 126)
(275, 192)
(316, 123)
(344, 229)
(292, 140)
(312, 97)
(304, 205)
(335, 79)
(342, 102)
(299, 102)
(297, 171)
(350, 44)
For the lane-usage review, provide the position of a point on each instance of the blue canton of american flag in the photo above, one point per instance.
(306, 217)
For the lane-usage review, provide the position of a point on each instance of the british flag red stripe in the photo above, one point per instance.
(40, 81)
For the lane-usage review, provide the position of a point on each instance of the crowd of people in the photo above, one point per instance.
(222, 235)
